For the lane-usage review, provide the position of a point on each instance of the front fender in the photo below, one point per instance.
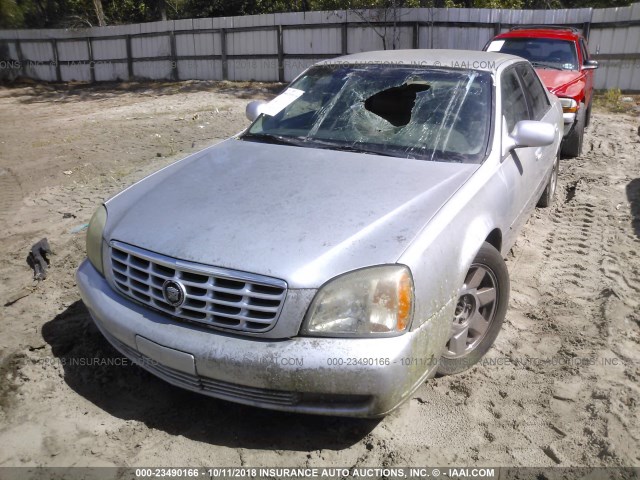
(575, 90)
(442, 253)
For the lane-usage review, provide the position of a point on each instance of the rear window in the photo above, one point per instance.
(541, 52)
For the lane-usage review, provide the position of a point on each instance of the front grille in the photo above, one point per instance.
(216, 388)
(212, 296)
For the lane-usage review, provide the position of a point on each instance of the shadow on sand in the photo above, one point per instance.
(633, 195)
(29, 91)
(126, 391)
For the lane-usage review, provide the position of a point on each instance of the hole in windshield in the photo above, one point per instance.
(395, 104)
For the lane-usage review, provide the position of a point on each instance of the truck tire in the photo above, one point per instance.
(572, 144)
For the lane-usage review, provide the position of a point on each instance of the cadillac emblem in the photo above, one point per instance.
(173, 293)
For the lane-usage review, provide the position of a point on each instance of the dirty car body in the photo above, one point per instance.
(314, 263)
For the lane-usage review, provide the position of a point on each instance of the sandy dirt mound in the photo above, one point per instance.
(560, 387)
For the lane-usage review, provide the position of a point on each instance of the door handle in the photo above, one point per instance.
(538, 154)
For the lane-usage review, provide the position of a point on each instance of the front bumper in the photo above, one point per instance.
(330, 376)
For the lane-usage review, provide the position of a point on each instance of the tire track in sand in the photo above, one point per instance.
(589, 302)
(10, 194)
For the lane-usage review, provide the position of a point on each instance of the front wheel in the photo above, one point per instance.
(480, 310)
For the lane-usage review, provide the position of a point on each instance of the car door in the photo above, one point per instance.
(520, 169)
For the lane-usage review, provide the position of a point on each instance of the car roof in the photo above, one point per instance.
(552, 33)
(465, 59)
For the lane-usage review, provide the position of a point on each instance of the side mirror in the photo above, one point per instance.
(254, 108)
(529, 133)
(590, 65)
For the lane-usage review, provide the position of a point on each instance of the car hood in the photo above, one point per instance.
(299, 214)
(555, 80)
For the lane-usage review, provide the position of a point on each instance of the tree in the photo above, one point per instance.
(381, 16)
(378, 20)
(97, 5)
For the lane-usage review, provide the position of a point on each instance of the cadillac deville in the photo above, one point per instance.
(344, 248)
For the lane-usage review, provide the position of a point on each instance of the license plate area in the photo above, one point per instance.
(169, 357)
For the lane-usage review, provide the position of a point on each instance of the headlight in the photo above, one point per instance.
(376, 301)
(94, 238)
(569, 105)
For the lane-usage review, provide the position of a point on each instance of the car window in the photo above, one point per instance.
(536, 93)
(585, 52)
(424, 113)
(514, 103)
(541, 52)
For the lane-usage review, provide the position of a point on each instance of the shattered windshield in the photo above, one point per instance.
(423, 113)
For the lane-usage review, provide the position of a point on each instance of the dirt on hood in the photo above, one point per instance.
(560, 386)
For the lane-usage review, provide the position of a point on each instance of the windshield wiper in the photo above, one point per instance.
(546, 65)
(275, 139)
(309, 142)
(349, 148)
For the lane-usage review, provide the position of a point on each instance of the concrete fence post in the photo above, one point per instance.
(129, 57)
(280, 54)
(20, 58)
(175, 74)
(223, 47)
(92, 70)
(56, 59)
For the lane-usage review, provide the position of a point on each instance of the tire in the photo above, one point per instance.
(479, 313)
(550, 191)
(572, 144)
(587, 120)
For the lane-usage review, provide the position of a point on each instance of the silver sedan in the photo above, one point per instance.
(344, 248)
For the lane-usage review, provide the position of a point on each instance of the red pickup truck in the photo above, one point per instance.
(561, 58)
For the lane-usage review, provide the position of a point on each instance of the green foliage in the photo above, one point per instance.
(611, 100)
(45, 13)
(362, 4)
(10, 14)
(38, 13)
(613, 96)
(77, 13)
(516, 4)
(128, 11)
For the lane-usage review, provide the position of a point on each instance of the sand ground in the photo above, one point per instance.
(560, 386)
